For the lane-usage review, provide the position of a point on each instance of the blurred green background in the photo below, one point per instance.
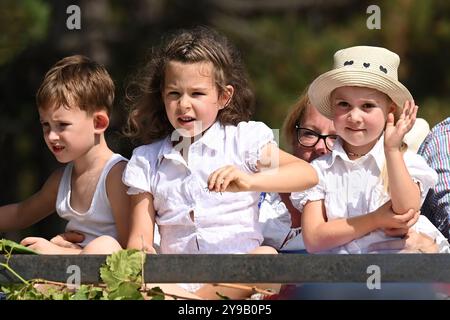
(285, 45)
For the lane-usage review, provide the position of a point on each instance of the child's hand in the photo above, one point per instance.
(68, 239)
(229, 178)
(394, 134)
(413, 242)
(41, 245)
(387, 219)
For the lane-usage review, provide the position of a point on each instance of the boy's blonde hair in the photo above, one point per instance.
(77, 81)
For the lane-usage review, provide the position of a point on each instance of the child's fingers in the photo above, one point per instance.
(387, 245)
(217, 178)
(212, 179)
(29, 241)
(396, 232)
(390, 119)
(411, 119)
(414, 219)
(405, 110)
(227, 180)
(404, 218)
(224, 177)
(66, 241)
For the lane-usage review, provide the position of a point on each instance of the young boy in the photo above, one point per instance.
(74, 103)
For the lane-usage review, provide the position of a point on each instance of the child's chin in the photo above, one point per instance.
(62, 160)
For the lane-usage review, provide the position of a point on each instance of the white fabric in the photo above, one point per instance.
(99, 219)
(275, 221)
(222, 223)
(352, 188)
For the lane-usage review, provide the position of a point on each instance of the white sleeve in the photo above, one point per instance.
(275, 220)
(420, 172)
(137, 173)
(252, 137)
(299, 199)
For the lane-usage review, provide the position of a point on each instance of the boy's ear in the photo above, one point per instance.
(226, 96)
(101, 121)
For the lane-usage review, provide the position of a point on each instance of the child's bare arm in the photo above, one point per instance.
(142, 221)
(287, 174)
(404, 193)
(320, 234)
(279, 172)
(23, 214)
(120, 201)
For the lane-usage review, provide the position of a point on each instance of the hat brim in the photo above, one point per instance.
(320, 89)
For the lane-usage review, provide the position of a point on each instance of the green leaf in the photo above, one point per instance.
(87, 292)
(22, 292)
(122, 274)
(124, 265)
(126, 262)
(13, 247)
(126, 291)
(156, 293)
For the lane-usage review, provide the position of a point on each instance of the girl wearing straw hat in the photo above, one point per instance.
(370, 166)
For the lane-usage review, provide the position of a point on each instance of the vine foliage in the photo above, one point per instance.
(122, 279)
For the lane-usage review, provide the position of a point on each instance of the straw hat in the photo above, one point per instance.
(360, 66)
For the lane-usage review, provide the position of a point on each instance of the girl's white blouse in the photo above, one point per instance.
(190, 218)
(353, 188)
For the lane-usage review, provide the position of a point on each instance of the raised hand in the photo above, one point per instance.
(394, 133)
(229, 178)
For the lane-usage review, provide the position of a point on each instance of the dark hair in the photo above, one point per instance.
(147, 119)
(77, 80)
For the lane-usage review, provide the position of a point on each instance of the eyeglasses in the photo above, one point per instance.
(309, 138)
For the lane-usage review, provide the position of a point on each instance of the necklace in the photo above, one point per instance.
(352, 154)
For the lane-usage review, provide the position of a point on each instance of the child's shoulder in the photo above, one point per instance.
(148, 154)
(251, 125)
(151, 149)
(248, 129)
(323, 162)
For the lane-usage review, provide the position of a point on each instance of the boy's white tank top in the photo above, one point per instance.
(99, 219)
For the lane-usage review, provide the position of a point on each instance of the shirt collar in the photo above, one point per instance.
(212, 138)
(376, 153)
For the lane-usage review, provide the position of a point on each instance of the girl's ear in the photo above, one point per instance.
(101, 121)
(226, 96)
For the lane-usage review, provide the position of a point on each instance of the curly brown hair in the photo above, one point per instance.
(147, 120)
(77, 80)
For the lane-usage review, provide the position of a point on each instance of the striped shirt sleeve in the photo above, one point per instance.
(436, 151)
